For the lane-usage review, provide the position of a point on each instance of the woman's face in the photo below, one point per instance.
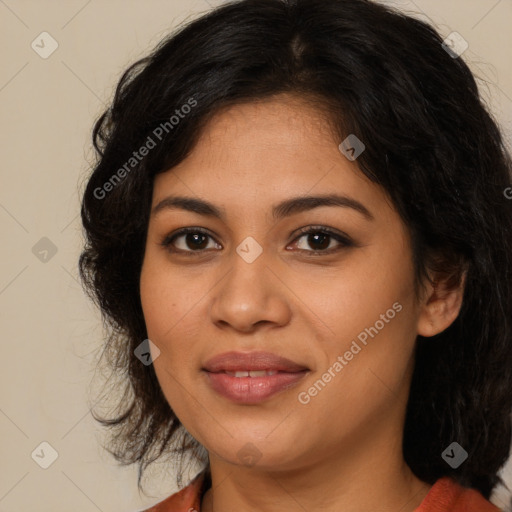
(251, 281)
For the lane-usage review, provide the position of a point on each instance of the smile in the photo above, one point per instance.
(251, 387)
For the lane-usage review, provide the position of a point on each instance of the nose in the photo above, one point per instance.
(251, 295)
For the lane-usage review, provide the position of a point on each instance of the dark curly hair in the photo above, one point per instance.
(431, 144)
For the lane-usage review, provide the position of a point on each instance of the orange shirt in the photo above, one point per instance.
(445, 495)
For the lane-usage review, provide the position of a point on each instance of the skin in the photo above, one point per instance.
(342, 450)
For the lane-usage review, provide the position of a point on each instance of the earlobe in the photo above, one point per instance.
(440, 307)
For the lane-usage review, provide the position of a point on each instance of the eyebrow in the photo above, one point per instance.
(283, 209)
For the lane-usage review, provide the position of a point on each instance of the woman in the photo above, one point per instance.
(299, 232)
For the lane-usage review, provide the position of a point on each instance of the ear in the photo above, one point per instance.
(440, 306)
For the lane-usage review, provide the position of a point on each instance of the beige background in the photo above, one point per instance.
(51, 333)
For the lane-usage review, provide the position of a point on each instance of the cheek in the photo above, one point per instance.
(371, 315)
(171, 303)
(154, 299)
(166, 296)
(365, 376)
(353, 298)
(165, 306)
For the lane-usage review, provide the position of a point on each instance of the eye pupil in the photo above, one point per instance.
(197, 243)
(314, 239)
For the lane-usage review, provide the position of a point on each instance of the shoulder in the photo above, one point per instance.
(446, 495)
(186, 500)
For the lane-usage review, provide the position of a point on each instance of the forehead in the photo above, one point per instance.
(254, 155)
(265, 145)
(268, 117)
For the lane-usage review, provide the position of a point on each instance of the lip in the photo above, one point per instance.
(251, 390)
(247, 361)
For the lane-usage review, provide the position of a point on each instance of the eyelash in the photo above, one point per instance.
(345, 241)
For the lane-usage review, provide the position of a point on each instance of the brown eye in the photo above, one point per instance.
(194, 241)
(319, 240)
(189, 240)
